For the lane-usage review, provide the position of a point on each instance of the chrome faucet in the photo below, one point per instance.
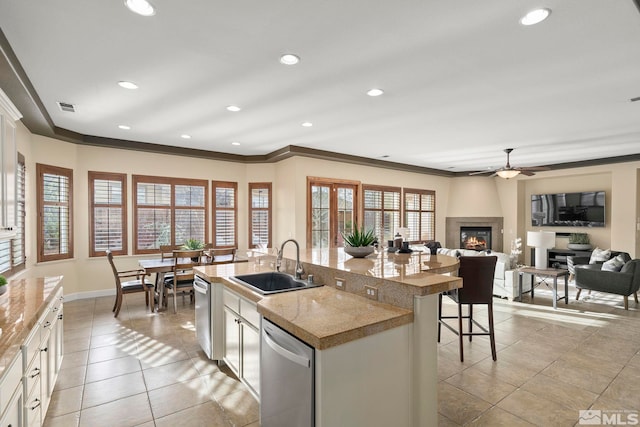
(299, 269)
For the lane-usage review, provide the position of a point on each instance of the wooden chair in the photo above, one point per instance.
(140, 284)
(229, 255)
(477, 288)
(182, 278)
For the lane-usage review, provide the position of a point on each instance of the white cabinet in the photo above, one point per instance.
(8, 165)
(242, 339)
(11, 397)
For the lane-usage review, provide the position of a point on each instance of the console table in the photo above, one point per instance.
(558, 257)
(553, 273)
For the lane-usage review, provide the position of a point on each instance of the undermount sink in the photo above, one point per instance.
(272, 282)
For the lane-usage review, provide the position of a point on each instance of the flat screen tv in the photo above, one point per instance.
(585, 209)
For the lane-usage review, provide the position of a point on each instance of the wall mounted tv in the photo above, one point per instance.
(585, 209)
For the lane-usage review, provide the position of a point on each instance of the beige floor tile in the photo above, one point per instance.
(171, 373)
(446, 422)
(537, 410)
(222, 383)
(72, 360)
(152, 357)
(107, 340)
(481, 385)
(77, 344)
(100, 392)
(587, 379)
(515, 374)
(77, 333)
(112, 368)
(240, 408)
(130, 411)
(71, 377)
(459, 406)
(179, 396)
(625, 388)
(448, 367)
(204, 415)
(68, 420)
(496, 417)
(65, 401)
(609, 348)
(569, 395)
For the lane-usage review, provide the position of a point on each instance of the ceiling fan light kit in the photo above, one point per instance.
(508, 172)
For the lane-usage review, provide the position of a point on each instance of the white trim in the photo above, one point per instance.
(7, 105)
(89, 294)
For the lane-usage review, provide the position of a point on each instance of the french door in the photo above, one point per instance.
(331, 210)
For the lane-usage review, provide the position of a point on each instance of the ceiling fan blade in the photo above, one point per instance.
(526, 172)
(533, 168)
(481, 172)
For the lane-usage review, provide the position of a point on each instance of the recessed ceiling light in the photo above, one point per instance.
(535, 16)
(375, 92)
(128, 85)
(307, 124)
(289, 59)
(235, 143)
(141, 7)
(234, 108)
(125, 127)
(185, 136)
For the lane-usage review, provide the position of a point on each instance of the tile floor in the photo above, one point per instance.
(147, 369)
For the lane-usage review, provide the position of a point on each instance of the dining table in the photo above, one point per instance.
(161, 266)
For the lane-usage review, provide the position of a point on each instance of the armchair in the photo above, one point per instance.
(625, 282)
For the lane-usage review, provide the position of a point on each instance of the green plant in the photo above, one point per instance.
(3, 280)
(193, 244)
(579, 238)
(359, 237)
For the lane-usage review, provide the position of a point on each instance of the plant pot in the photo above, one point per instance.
(359, 252)
(3, 289)
(579, 246)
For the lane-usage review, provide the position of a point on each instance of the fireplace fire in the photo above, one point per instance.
(475, 238)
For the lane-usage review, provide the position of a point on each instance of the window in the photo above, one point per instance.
(168, 211)
(225, 214)
(12, 257)
(382, 211)
(420, 214)
(108, 213)
(260, 215)
(55, 212)
(332, 210)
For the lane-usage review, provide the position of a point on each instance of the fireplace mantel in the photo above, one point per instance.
(453, 225)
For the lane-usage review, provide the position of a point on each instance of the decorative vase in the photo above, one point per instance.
(579, 246)
(359, 251)
(3, 289)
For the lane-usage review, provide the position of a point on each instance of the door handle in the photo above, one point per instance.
(295, 358)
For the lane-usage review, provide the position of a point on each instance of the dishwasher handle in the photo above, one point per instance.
(200, 285)
(295, 358)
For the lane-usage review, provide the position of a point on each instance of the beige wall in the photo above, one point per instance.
(466, 196)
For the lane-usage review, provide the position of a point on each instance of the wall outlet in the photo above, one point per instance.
(340, 283)
(371, 292)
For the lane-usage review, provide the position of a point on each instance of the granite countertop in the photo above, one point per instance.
(325, 316)
(20, 309)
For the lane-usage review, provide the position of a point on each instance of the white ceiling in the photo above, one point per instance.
(462, 78)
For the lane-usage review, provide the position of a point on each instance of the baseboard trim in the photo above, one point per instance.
(89, 294)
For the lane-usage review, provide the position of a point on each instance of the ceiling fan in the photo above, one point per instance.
(509, 172)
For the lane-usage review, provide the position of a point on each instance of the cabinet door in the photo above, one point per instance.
(231, 341)
(251, 356)
(46, 387)
(13, 414)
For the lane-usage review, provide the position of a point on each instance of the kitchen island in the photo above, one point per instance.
(377, 355)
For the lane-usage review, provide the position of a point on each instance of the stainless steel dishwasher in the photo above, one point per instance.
(203, 316)
(287, 367)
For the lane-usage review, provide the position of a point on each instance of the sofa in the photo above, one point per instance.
(505, 278)
(606, 277)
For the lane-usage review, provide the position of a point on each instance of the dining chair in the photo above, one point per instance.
(224, 256)
(477, 288)
(182, 277)
(140, 284)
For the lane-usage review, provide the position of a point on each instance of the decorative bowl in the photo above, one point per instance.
(579, 246)
(359, 251)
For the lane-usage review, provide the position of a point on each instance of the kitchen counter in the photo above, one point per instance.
(325, 316)
(20, 309)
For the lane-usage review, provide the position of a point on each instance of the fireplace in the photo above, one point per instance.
(455, 224)
(475, 238)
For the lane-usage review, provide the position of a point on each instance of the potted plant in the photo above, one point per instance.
(359, 243)
(579, 242)
(3, 285)
(193, 245)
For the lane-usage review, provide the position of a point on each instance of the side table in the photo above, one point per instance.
(553, 273)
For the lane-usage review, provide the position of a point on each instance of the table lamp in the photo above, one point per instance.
(541, 240)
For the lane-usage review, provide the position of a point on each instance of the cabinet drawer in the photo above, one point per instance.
(231, 300)
(32, 374)
(33, 407)
(11, 380)
(249, 311)
(31, 346)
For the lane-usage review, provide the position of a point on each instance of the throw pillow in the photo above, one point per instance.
(614, 264)
(599, 255)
